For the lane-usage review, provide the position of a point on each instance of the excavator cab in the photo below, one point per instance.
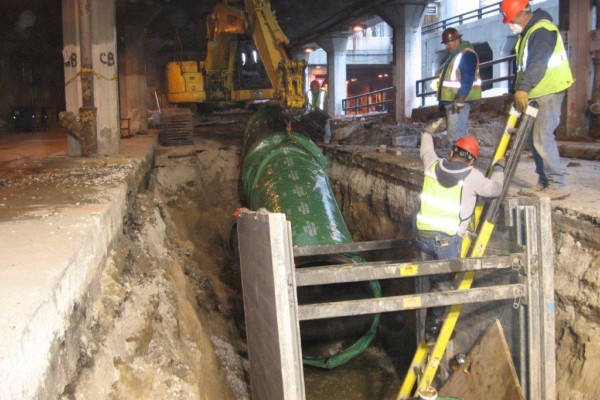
(249, 69)
(246, 60)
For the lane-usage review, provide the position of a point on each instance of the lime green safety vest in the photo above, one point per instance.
(558, 76)
(313, 102)
(450, 82)
(440, 206)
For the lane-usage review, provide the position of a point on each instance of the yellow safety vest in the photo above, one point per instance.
(440, 207)
(558, 76)
(313, 102)
(450, 82)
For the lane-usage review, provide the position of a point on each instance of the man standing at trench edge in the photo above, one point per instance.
(543, 74)
(450, 190)
(459, 83)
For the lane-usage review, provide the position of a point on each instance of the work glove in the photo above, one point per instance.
(458, 105)
(521, 100)
(435, 126)
(501, 162)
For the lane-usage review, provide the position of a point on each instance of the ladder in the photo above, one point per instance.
(424, 363)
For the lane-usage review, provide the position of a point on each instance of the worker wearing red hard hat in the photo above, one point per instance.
(543, 74)
(459, 83)
(450, 190)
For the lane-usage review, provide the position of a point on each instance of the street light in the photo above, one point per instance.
(359, 27)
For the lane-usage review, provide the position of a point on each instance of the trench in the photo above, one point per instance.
(168, 322)
(169, 319)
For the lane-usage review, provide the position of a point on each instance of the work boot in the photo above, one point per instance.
(432, 333)
(554, 193)
(433, 324)
(532, 190)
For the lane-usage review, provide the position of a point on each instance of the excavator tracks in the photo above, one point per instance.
(176, 127)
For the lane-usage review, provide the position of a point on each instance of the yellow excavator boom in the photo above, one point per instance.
(213, 80)
(286, 75)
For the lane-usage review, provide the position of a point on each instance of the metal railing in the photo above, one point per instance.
(423, 89)
(372, 102)
(462, 18)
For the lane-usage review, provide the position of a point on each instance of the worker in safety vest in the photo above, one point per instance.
(459, 83)
(316, 97)
(543, 74)
(447, 202)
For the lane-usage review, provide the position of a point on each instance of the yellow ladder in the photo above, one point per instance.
(477, 250)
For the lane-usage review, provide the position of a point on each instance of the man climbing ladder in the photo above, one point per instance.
(447, 202)
(476, 249)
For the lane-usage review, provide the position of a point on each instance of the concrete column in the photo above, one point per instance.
(72, 66)
(104, 61)
(578, 49)
(132, 79)
(336, 71)
(406, 22)
(102, 93)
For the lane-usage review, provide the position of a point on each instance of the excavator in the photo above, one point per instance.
(236, 70)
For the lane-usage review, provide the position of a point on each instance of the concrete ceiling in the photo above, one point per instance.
(34, 26)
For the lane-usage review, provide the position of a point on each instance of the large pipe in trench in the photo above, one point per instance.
(288, 174)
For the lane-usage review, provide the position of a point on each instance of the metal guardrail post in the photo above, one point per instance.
(355, 103)
(461, 18)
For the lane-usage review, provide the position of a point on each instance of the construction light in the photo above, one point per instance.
(359, 27)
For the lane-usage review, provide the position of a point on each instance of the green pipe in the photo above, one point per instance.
(289, 174)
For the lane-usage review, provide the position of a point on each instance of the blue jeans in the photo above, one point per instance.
(543, 144)
(441, 247)
(432, 246)
(456, 123)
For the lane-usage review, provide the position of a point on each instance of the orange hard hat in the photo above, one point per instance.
(467, 144)
(449, 35)
(510, 8)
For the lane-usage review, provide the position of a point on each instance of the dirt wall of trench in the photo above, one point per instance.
(162, 326)
(577, 286)
(378, 199)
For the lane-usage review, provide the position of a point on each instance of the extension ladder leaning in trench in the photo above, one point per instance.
(512, 143)
(270, 282)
